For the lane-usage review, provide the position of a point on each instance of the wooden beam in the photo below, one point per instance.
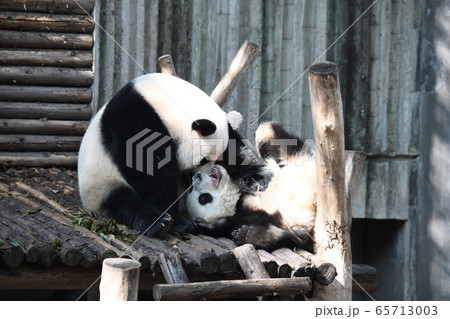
(332, 228)
(51, 94)
(240, 63)
(30, 21)
(50, 111)
(250, 262)
(16, 143)
(49, 6)
(53, 58)
(43, 75)
(39, 159)
(45, 40)
(50, 127)
(228, 289)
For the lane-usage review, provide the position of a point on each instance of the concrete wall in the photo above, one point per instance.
(393, 67)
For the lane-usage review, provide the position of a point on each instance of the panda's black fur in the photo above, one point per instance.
(253, 220)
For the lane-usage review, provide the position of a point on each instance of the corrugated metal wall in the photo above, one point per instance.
(377, 61)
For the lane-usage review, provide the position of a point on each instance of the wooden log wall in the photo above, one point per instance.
(46, 73)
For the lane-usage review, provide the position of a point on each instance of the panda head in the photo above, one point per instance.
(197, 124)
(213, 194)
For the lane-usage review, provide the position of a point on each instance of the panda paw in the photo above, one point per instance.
(161, 226)
(243, 235)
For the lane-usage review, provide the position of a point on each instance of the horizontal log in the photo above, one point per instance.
(30, 21)
(39, 159)
(60, 277)
(51, 111)
(49, 6)
(45, 40)
(11, 256)
(232, 289)
(61, 58)
(32, 143)
(45, 94)
(325, 272)
(36, 75)
(366, 278)
(42, 127)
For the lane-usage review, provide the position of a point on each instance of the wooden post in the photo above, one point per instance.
(120, 280)
(240, 63)
(332, 228)
(166, 64)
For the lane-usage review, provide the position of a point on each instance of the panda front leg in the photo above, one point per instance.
(128, 208)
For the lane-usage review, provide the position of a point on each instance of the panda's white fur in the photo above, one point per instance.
(157, 102)
(97, 173)
(284, 212)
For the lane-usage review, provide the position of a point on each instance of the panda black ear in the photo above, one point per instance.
(204, 127)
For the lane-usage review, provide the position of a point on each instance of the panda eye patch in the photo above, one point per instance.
(205, 198)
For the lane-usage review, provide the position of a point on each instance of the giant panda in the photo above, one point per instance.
(282, 215)
(114, 156)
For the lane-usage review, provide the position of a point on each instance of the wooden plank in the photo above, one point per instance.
(51, 111)
(61, 58)
(30, 21)
(45, 40)
(17, 143)
(332, 227)
(49, 6)
(250, 262)
(39, 159)
(227, 289)
(35, 75)
(42, 127)
(45, 94)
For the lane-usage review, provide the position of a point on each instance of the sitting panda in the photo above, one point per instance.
(282, 215)
(137, 145)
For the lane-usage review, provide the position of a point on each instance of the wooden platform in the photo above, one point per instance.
(43, 244)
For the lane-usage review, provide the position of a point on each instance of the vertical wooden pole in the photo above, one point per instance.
(332, 228)
(120, 279)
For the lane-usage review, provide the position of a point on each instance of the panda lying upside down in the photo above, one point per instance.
(282, 215)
